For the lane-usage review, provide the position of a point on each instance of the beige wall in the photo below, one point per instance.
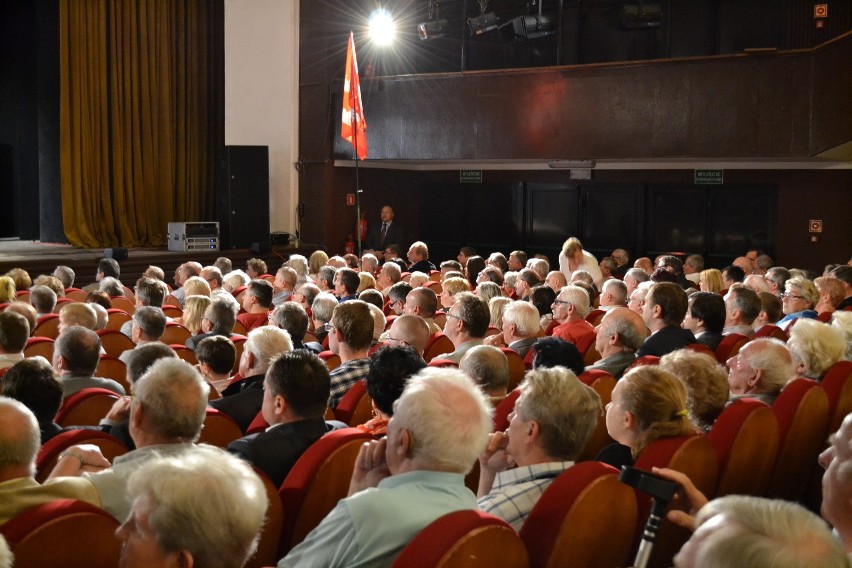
(261, 93)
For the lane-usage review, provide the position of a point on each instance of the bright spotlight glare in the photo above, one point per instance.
(382, 27)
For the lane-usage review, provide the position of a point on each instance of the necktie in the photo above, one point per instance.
(384, 233)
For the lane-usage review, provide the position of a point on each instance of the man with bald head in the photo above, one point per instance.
(744, 263)
(424, 303)
(411, 331)
(644, 264)
(619, 335)
(555, 280)
(760, 370)
(489, 368)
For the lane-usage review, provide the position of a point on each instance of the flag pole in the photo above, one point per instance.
(357, 194)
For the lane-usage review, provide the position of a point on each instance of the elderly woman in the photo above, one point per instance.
(798, 301)
(390, 369)
(453, 286)
(842, 322)
(706, 383)
(647, 404)
(710, 280)
(637, 297)
(815, 347)
(496, 307)
(831, 293)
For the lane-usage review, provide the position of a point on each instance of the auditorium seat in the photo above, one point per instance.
(114, 342)
(602, 383)
(730, 346)
(503, 409)
(113, 368)
(267, 545)
(701, 348)
(438, 362)
(355, 407)
(219, 429)
(837, 383)
(517, 369)
(332, 360)
(123, 303)
(116, 318)
(42, 346)
(47, 326)
(48, 454)
(184, 353)
(770, 330)
(438, 344)
(86, 407)
(175, 333)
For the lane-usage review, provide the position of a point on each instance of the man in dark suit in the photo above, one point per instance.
(385, 233)
(243, 399)
(665, 308)
(295, 392)
(705, 318)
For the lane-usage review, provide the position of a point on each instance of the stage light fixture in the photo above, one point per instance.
(433, 29)
(483, 23)
(382, 27)
(533, 27)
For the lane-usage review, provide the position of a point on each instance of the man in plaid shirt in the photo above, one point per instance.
(350, 334)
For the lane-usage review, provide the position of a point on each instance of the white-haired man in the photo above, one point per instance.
(521, 326)
(405, 481)
(570, 309)
(619, 335)
(760, 370)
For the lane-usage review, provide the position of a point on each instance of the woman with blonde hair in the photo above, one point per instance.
(8, 292)
(710, 280)
(367, 281)
(496, 307)
(647, 404)
(193, 313)
(318, 259)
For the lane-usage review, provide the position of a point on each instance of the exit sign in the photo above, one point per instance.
(709, 177)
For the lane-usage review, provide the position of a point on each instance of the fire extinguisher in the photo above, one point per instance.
(362, 226)
(349, 246)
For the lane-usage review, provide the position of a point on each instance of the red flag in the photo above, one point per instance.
(354, 126)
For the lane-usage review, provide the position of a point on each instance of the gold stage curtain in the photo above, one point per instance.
(134, 148)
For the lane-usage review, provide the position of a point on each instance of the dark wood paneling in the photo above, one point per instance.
(676, 219)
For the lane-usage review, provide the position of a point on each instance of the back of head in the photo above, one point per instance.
(473, 311)
(215, 532)
(302, 379)
(142, 357)
(218, 352)
(390, 369)
(109, 267)
(425, 299)
(556, 352)
(266, 343)
(150, 292)
(262, 290)
(637, 274)
(220, 314)
(571, 246)
(542, 297)
(448, 418)
(410, 330)
(8, 289)
(80, 348)
(770, 304)
(174, 396)
(34, 383)
(618, 289)
(293, 318)
(657, 400)
(21, 278)
(379, 321)
(733, 273)
(816, 345)
(323, 307)
(456, 285)
(754, 532)
(671, 262)
(78, 313)
(256, 265)
(524, 316)
(372, 296)
(42, 298)
(628, 325)
(14, 332)
(578, 297)
(354, 320)
(842, 322)
(65, 274)
(19, 436)
(773, 358)
(196, 286)
(488, 367)
(706, 383)
(112, 286)
(709, 308)
(672, 300)
(151, 322)
(566, 410)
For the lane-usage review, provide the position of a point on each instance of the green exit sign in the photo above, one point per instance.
(470, 176)
(709, 177)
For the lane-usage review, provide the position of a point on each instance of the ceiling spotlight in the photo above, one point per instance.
(433, 29)
(484, 23)
(382, 27)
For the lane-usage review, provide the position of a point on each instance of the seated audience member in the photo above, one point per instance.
(637, 297)
(798, 301)
(350, 337)
(663, 275)
(14, 333)
(196, 286)
(156, 273)
(193, 313)
(149, 324)
(257, 303)
(647, 404)
(283, 285)
(633, 277)
(664, 310)
(27, 311)
(369, 263)
(256, 267)
(405, 481)
(424, 303)
(76, 354)
(52, 282)
(844, 274)
(673, 265)
(19, 446)
(498, 260)
(450, 266)
(467, 322)
(744, 264)
(34, 383)
(555, 281)
(842, 322)
(346, 282)
(101, 317)
(218, 320)
(175, 522)
(692, 267)
(706, 383)
(542, 297)
(111, 286)
(8, 290)
(116, 422)
(621, 259)
(491, 274)
(777, 277)
(619, 335)
(509, 280)
(397, 296)
(556, 352)
(214, 278)
(756, 283)
(554, 418)
(77, 313)
(65, 274)
(224, 264)
(372, 296)
(182, 273)
(760, 370)
(451, 287)
(379, 323)
(43, 299)
(815, 347)
(415, 280)
(216, 357)
(305, 295)
(831, 294)
(496, 307)
(322, 309)
(409, 331)
(517, 260)
(644, 264)
(540, 265)
(465, 253)
(527, 280)
(607, 265)
(472, 268)
(390, 369)
(295, 392)
(389, 275)
(705, 318)
(489, 368)
(520, 329)
(99, 298)
(317, 260)
(292, 318)
(166, 416)
(242, 399)
(732, 275)
(710, 280)
(570, 309)
(149, 292)
(770, 310)
(488, 290)
(325, 278)
(233, 280)
(613, 294)
(837, 482)
(763, 264)
(573, 257)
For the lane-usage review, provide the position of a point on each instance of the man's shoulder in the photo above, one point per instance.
(355, 366)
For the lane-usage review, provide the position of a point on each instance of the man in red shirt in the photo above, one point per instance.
(570, 309)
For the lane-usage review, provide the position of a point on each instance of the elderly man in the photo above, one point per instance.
(257, 303)
(43, 299)
(175, 522)
(322, 309)
(553, 420)
(19, 445)
(389, 275)
(633, 277)
(837, 482)
(242, 400)
(166, 416)
(149, 292)
(555, 280)
(218, 319)
(295, 392)
(467, 322)
(619, 335)
(34, 383)
(489, 368)
(644, 264)
(405, 481)
(621, 259)
(182, 273)
(350, 336)
(663, 313)
(526, 280)
(292, 318)
(213, 276)
(418, 256)
(692, 267)
(742, 306)
(410, 331)
(149, 324)
(521, 326)
(613, 294)
(65, 274)
(424, 303)
(798, 301)
(570, 309)
(760, 370)
(14, 332)
(76, 354)
(283, 285)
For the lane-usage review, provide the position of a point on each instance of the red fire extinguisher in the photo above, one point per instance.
(349, 246)
(362, 226)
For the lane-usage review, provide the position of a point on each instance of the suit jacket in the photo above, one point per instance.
(277, 449)
(244, 405)
(615, 365)
(665, 341)
(709, 339)
(522, 346)
(392, 237)
(421, 266)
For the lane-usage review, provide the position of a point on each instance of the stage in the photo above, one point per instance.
(41, 258)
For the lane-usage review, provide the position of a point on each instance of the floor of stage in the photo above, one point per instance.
(41, 258)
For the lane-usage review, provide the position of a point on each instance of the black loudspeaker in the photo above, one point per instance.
(117, 253)
(242, 200)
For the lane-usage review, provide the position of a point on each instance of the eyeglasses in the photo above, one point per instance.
(398, 340)
(560, 302)
(328, 326)
(452, 315)
(789, 296)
